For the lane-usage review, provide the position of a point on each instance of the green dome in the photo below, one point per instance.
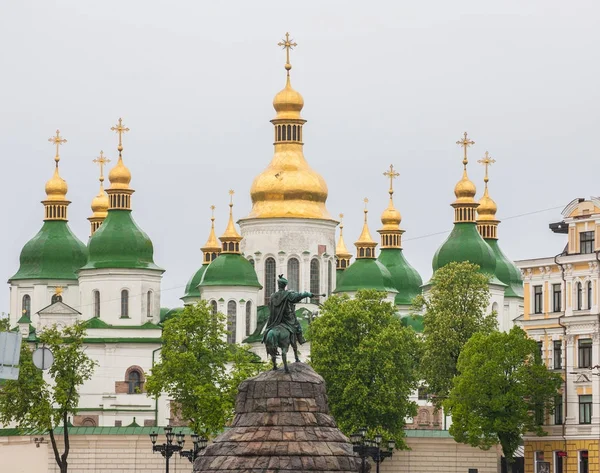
(191, 289)
(120, 243)
(365, 273)
(230, 269)
(414, 321)
(54, 253)
(405, 278)
(506, 271)
(465, 244)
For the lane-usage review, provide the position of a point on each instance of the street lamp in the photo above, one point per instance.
(370, 448)
(199, 445)
(166, 449)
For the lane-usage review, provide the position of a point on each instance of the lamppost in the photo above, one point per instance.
(370, 448)
(166, 449)
(199, 445)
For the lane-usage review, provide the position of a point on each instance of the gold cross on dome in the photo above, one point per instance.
(120, 129)
(57, 140)
(231, 192)
(465, 143)
(391, 174)
(487, 161)
(287, 45)
(101, 161)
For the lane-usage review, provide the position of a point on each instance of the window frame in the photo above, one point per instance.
(149, 295)
(558, 410)
(248, 317)
(293, 274)
(579, 295)
(97, 306)
(315, 279)
(132, 384)
(26, 305)
(588, 296)
(270, 278)
(557, 354)
(584, 353)
(585, 409)
(124, 303)
(581, 467)
(232, 307)
(586, 242)
(556, 297)
(538, 299)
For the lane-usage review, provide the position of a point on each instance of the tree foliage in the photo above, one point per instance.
(454, 309)
(500, 386)
(200, 370)
(34, 403)
(369, 361)
(4, 323)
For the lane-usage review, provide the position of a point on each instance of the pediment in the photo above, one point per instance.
(58, 308)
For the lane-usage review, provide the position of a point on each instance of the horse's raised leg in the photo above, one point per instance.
(284, 358)
(295, 347)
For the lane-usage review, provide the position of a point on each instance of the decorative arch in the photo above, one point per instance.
(315, 279)
(270, 275)
(26, 305)
(88, 422)
(293, 274)
(135, 379)
(231, 321)
(125, 303)
(96, 299)
(213, 307)
(149, 298)
(248, 317)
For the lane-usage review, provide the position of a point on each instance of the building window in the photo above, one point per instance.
(537, 299)
(557, 354)
(585, 409)
(124, 303)
(558, 410)
(556, 297)
(26, 305)
(149, 304)
(583, 462)
(231, 321)
(540, 350)
(293, 274)
(539, 461)
(248, 317)
(270, 269)
(579, 296)
(55, 298)
(315, 280)
(586, 242)
(589, 294)
(422, 393)
(329, 277)
(96, 296)
(134, 380)
(585, 353)
(558, 462)
(213, 307)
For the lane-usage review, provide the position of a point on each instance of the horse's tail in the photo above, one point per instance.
(272, 342)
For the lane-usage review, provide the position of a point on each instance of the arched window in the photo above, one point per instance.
(329, 277)
(279, 133)
(283, 135)
(88, 422)
(289, 132)
(293, 274)
(124, 303)
(579, 296)
(251, 261)
(96, 303)
(589, 294)
(294, 133)
(248, 317)
(134, 380)
(55, 298)
(26, 305)
(315, 280)
(231, 319)
(213, 307)
(149, 304)
(270, 270)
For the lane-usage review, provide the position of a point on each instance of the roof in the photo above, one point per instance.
(120, 243)
(97, 322)
(405, 278)
(414, 321)
(53, 253)
(191, 288)
(230, 269)
(365, 273)
(507, 272)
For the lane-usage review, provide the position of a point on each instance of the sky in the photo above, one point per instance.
(384, 82)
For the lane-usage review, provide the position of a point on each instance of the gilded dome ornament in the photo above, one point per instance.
(100, 203)
(390, 217)
(288, 187)
(56, 187)
(487, 207)
(119, 176)
(465, 189)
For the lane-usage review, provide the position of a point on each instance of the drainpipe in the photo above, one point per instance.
(566, 389)
(156, 398)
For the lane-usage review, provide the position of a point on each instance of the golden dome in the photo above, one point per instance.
(465, 190)
(487, 208)
(212, 244)
(100, 204)
(119, 176)
(56, 187)
(390, 217)
(230, 238)
(288, 103)
(365, 238)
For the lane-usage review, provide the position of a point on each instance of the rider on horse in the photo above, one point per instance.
(283, 311)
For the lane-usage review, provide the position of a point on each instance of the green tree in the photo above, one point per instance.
(369, 361)
(200, 370)
(4, 323)
(454, 310)
(501, 385)
(35, 403)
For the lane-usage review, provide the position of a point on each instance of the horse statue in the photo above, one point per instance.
(283, 328)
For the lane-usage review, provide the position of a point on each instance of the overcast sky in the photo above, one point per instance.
(383, 82)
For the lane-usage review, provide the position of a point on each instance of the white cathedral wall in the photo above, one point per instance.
(110, 283)
(41, 292)
(224, 294)
(284, 238)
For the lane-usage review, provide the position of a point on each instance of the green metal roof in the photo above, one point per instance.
(405, 278)
(465, 244)
(97, 322)
(191, 289)
(120, 243)
(506, 271)
(365, 273)
(54, 253)
(414, 321)
(230, 269)
(170, 313)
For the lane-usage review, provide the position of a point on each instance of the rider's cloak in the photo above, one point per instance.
(282, 311)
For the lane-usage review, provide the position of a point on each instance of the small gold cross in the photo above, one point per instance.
(101, 161)
(287, 45)
(465, 143)
(486, 161)
(57, 140)
(120, 129)
(391, 174)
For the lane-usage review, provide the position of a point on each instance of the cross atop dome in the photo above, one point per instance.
(287, 45)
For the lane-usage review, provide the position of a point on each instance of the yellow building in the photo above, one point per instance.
(561, 312)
